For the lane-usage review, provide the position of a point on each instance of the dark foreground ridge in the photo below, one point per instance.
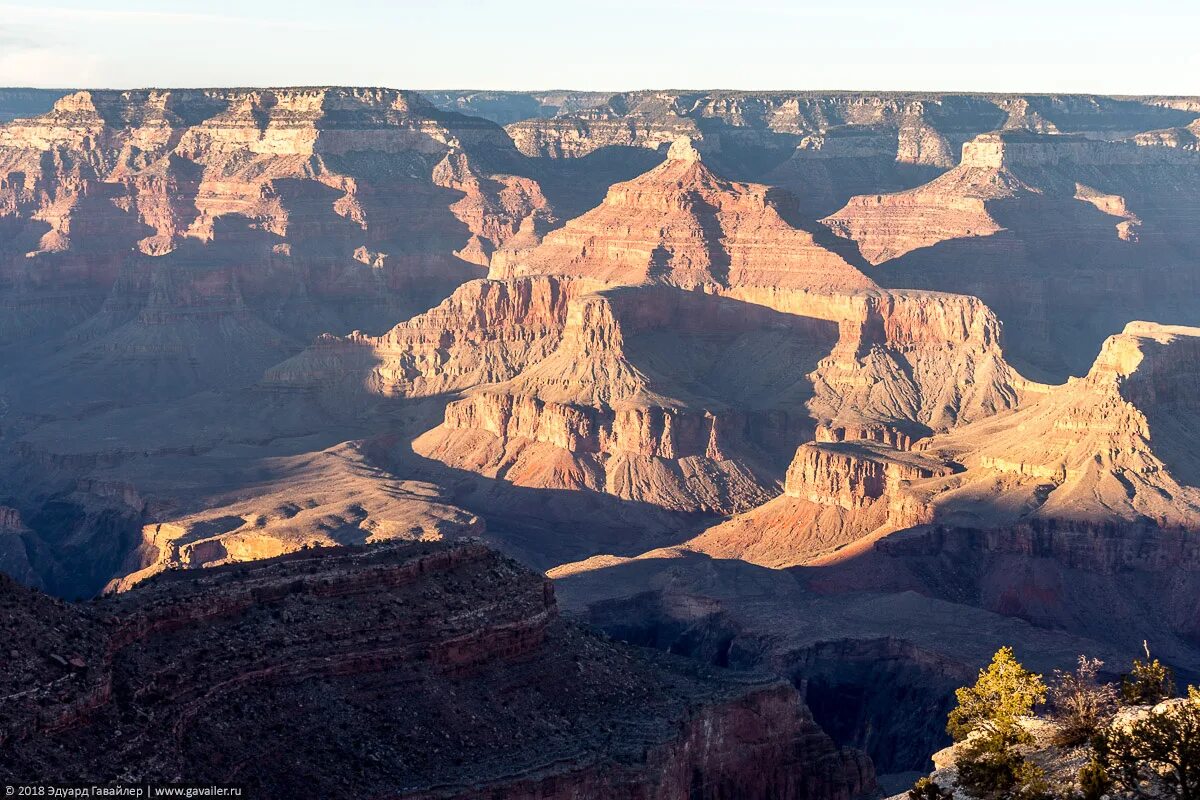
(420, 670)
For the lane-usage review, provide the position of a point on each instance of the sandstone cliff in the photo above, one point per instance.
(681, 225)
(1114, 445)
(1065, 237)
(307, 210)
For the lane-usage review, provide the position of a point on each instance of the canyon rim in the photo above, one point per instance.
(373, 442)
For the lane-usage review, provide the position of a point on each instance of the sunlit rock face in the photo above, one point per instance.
(1066, 237)
(850, 388)
(682, 225)
(329, 209)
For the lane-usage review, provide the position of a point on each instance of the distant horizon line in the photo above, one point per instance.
(427, 90)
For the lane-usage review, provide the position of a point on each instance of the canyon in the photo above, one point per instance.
(429, 663)
(334, 396)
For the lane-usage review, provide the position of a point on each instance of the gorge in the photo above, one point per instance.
(432, 417)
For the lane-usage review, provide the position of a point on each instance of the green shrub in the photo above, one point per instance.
(1094, 782)
(1004, 692)
(990, 764)
(927, 789)
(1157, 756)
(1031, 784)
(1148, 682)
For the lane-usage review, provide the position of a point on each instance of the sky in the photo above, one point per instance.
(1129, 47)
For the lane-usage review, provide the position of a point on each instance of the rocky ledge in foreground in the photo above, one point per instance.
(417, 671)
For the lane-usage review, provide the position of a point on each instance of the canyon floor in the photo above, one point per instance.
(826, 395)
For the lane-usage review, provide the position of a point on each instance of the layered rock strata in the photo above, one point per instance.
(440, 671)
(1065, 237)
(681, 225)
(615, 408)
(1115, 445)
(302, 210)
(836, 494)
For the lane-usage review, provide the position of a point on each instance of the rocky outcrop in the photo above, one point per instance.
(681, 225)
(835, 494)
(1078, 224)
(852, 476)
(512, 701)
(487, 331)
(326, 208)
(1058, 764)
(1114, 445)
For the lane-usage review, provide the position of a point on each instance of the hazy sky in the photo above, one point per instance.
(1132, 46)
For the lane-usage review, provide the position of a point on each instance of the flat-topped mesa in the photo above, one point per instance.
(358, 205)
(530, 704)
(1116, 444)
(682, 225)
(835, 495)
(853, 475)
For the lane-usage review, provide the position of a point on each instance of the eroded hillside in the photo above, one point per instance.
(833, 386)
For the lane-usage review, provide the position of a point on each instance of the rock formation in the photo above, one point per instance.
(774, 380)
(1116, 445)
(824, 146)
(485, 332)
(836, 494)
(614, 408)
(500, 697)
(925, 128)
(324, 209)
(681, 225)
(1093, 233)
